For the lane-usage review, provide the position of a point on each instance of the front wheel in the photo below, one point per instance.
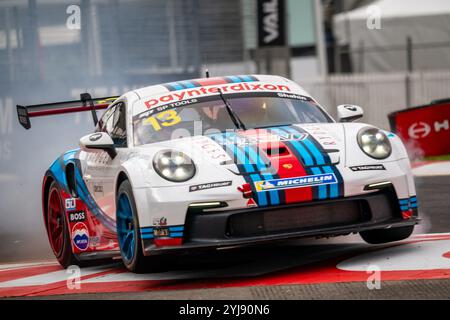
(128, 233)
(387, 235)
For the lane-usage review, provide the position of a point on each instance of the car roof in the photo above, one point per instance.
(180, 90)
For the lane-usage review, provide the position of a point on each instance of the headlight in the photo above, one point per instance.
(174, 166)
(374, 143)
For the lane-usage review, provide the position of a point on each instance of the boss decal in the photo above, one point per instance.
(80, 236)
(77, 216)
(374, 167)
(211, 185)
(297, 182)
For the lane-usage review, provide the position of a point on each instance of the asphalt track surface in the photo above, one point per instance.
(340, 268)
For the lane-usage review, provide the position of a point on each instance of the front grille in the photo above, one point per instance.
(299, 218)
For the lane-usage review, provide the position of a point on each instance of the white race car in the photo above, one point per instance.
(220, 162)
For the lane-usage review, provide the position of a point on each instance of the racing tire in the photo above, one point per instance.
(380, 236)
(58, 230)
(129, 236)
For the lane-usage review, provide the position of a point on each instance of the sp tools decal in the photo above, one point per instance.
(297, 182)
(71, 204)
(211, 185)
(368, 168)
(80, 236)
(77, 216)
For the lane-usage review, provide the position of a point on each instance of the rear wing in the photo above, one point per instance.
(86, 103)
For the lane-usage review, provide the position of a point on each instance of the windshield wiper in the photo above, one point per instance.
(274, 126)
(234, 117)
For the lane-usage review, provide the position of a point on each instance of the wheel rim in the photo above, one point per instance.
(56, 222)
(125, 228)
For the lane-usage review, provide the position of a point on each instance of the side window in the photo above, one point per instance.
(116, 126)
(104, 118)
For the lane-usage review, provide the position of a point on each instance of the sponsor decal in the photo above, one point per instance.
(251, 204)
(98, 188)
(271, 23)
(79, 216)
(420, 130)
(80, 236)
(373, 167)
(161, 232)
(95, 137)
(71, 204)
(162, 221)
(257, 139)
(288, 166)
(228, 88)
(297, 182)
(94, 241)
(212, 185)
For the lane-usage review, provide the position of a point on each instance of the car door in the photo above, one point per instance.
(116, 127)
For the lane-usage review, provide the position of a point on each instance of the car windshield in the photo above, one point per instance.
(209, 115)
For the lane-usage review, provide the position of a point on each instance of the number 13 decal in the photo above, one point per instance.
(166, 119)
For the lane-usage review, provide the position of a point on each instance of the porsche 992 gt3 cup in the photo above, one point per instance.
(220, 162)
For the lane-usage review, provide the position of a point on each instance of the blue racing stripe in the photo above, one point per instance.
(274, 198)
(178, 228)
(316, 153)
(235, 79)
(323, 188)
(306, 157)
(176, 85)
(404, 201)
(413, 205)
(320, 160)
(147, 236)
(334, 190)
(242, 159)
(248, 78)
(262, 199)
(188, 84)
(176, 234)
(404, 208)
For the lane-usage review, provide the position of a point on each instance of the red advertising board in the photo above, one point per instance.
(425, 130)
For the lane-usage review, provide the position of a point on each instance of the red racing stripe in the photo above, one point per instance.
(287, 164)
(212, 81)
(290, 167)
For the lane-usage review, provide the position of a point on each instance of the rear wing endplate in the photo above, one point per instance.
(86, 103)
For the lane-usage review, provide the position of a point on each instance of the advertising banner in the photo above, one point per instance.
(425, 130)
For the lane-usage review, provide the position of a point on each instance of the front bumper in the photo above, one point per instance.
(244, 227)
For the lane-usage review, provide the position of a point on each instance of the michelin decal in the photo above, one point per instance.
(297, 182)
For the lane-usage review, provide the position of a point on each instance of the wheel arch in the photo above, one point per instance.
(46, 183)
(121, 177)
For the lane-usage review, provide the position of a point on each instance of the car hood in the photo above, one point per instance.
(243, 152)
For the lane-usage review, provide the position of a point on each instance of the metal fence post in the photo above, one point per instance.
(409, 62)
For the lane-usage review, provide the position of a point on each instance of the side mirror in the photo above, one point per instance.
(349, 113)
(99, 141)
